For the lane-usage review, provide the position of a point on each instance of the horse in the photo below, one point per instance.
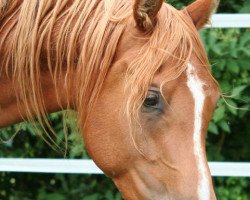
(135, 72)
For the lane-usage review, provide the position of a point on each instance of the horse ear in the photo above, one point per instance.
(201, 10)
(145, 12)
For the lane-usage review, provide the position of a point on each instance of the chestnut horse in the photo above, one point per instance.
(135, 72)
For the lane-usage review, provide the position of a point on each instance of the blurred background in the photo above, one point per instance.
(228, 136)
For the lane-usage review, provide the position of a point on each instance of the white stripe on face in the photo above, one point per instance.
(195, 86)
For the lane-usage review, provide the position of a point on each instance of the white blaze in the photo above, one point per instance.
(195, 86)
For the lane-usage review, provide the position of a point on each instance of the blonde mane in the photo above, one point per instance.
(67, 36)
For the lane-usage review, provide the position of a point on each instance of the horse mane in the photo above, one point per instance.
(82, 36)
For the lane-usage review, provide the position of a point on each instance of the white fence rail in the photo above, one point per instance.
(88, 167)
(230, 21)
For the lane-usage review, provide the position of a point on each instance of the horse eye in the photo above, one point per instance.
(152, 100)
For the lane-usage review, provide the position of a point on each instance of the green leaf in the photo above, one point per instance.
(217, 49)
(246, 51)
(238, 90)
(213, 128)
(212, 39)
(244, 63)
(232, 107)
(220, 64)
(219, 113)
(224, 126)
(233, 49)
(118, 196)
(233, 66)
(244, 39)
(225, 85)
(109, 195)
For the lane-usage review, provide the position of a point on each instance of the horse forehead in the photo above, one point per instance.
(201, 72)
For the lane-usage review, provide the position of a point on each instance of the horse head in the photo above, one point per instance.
(147, 128)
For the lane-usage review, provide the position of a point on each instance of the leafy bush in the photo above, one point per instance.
(229, 130)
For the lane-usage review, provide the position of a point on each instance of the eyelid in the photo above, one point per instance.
(154, 89)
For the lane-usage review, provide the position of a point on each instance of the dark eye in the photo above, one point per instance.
(153, 102)
(152, 99)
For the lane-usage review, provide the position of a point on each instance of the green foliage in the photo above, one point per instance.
(228, 133)
(230, 57)
(232, 188)
(232, 7)
(224, 7)
(229, 130)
